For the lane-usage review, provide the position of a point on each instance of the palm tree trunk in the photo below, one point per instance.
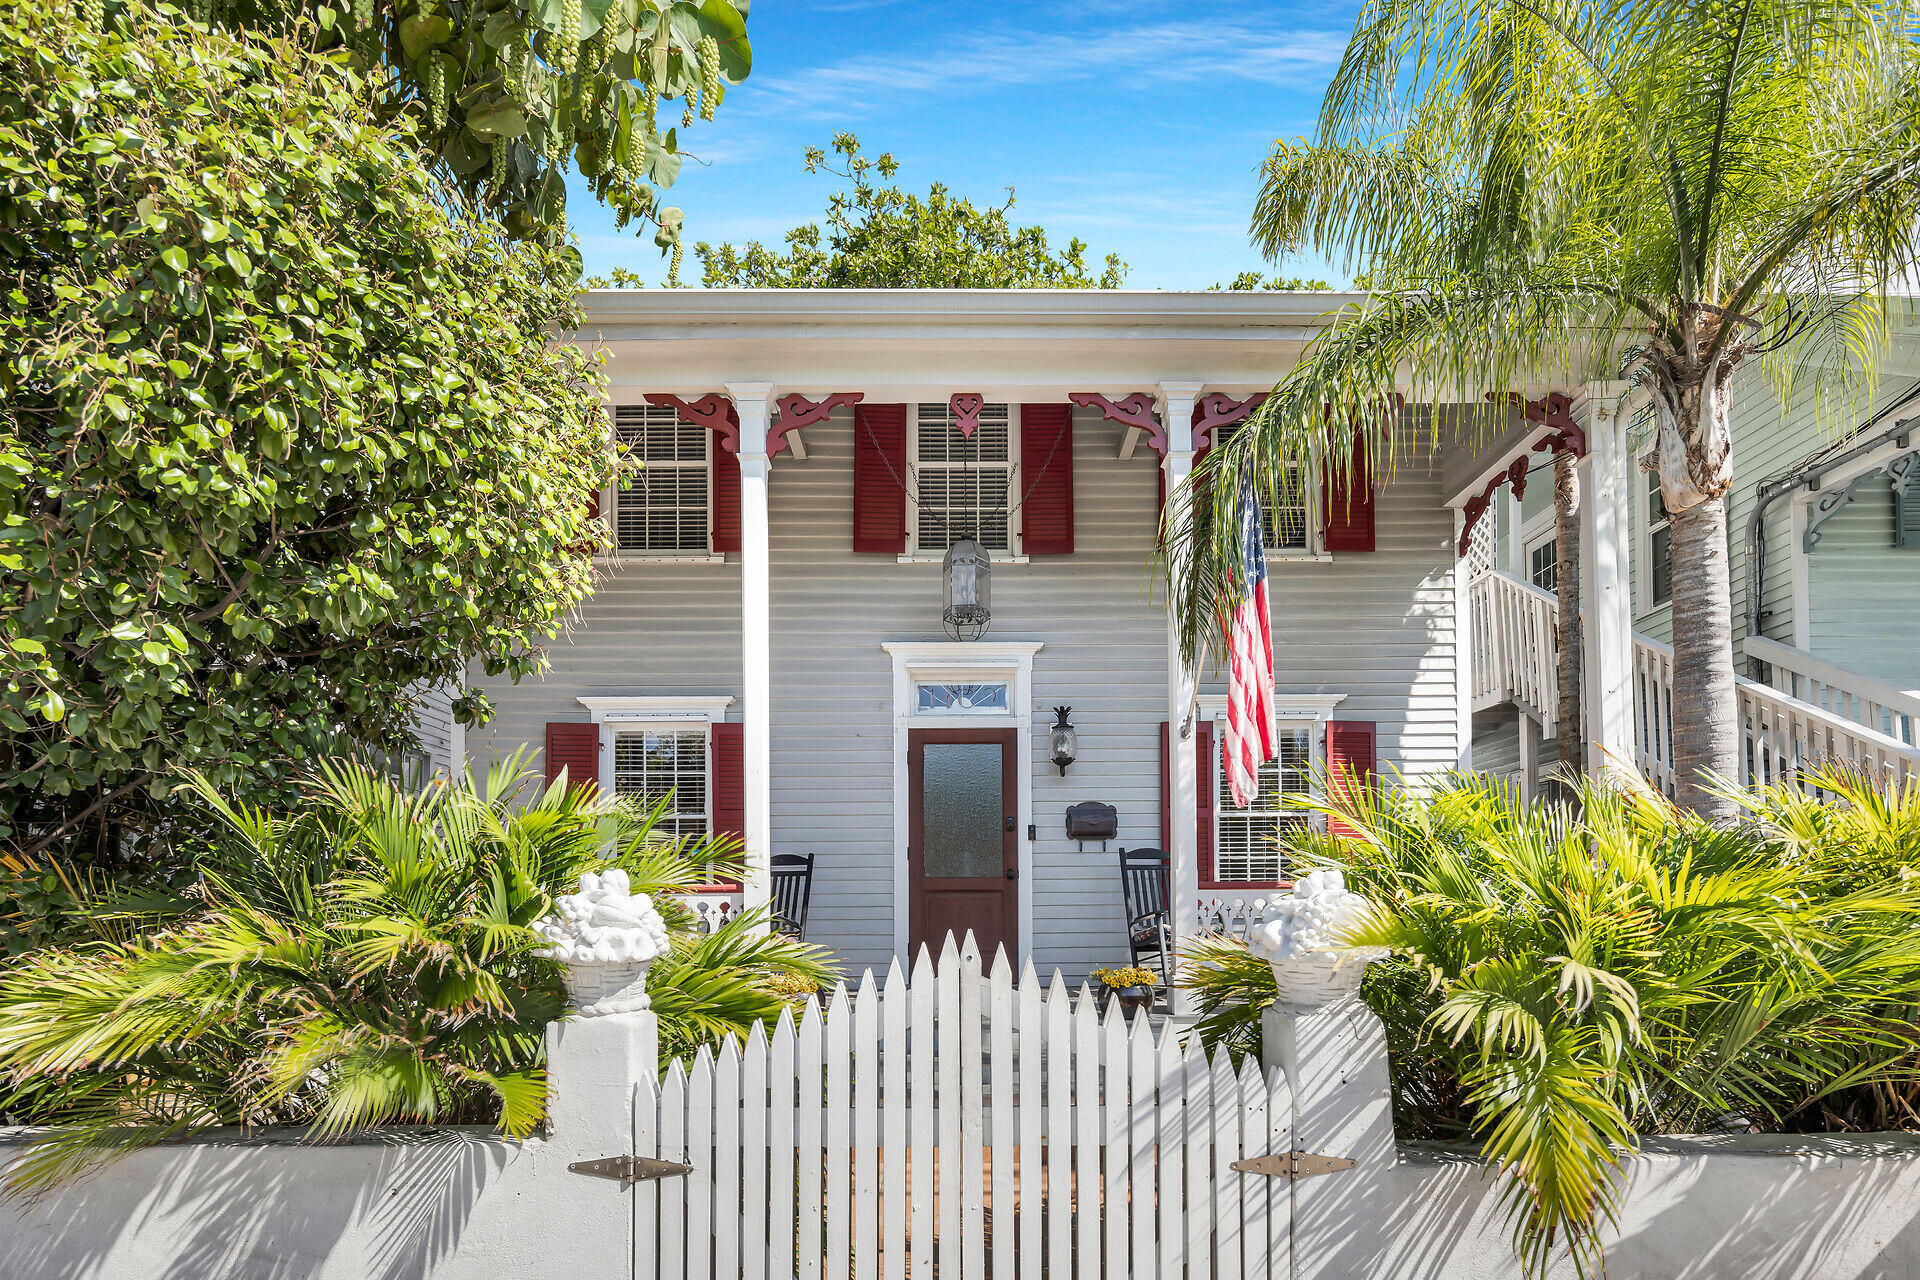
(1566, 575)
(1706, 728)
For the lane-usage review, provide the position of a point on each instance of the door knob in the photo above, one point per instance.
(1009, 822)
(1012, 874)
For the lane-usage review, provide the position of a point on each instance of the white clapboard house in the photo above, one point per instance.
(768, 639)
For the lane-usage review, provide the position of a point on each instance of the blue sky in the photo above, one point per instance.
(1137, 127)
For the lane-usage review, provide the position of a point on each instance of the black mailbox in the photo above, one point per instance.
(1091, 820)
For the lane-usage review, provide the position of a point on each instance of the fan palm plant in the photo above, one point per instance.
(1561, 190)
(362, 960)
(1562, 984)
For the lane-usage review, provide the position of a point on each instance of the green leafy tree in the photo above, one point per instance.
(1249, 281)
(362, 958)
(880, 237)
(282, 431)
(504, 96)
(1664, 192)
(1565, 981)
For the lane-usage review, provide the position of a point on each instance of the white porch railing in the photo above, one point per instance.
(1514, 646)
(1881, 707)
(714, 907)
(1849, 719)
(1780, 735)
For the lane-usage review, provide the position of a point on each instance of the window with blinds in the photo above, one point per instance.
(962, 485)
(1287, 524)
(1246, 842)
(651, 764)
(665, 503)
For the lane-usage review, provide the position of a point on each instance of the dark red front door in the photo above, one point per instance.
(963, 856)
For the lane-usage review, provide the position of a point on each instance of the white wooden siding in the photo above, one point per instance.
(1378, 628)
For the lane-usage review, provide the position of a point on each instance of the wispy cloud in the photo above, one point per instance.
(1143, 56)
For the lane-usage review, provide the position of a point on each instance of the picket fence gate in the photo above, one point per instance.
(958, 1127)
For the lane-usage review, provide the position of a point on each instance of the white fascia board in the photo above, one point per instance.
(1105, 307)
(1286, 706)
(683, 707)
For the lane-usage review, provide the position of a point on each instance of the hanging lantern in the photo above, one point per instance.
(1063, 744)
(969, 578)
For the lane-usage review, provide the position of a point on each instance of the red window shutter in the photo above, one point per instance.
(1350, 757)
(1203, 793)
(593, 505)
(575, 747)
(729, 783)
(879, 478)
(726, 493)
(1203, 798)
(1347, 504)
(1046, 479)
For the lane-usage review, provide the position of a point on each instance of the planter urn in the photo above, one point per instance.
(607, 938)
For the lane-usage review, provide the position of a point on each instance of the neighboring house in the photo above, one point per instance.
(1824, 556)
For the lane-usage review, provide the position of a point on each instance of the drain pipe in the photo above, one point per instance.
(1772, 490)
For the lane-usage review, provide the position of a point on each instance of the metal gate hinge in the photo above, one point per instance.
(627, 1170)
(1294, 1165)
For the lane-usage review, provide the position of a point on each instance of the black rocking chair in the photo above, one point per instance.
(1143, 883)
(792, 876)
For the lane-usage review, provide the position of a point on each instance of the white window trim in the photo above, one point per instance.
(1536, 531)
(667, 712)
(1014, 553)
(610, 507)
(1008, 660)
(1643, 602)
(1315, 709)
(1314, 552)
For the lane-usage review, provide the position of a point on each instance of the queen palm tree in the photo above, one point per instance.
(1661, 191)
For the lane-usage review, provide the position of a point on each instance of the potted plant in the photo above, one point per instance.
(1131, 985)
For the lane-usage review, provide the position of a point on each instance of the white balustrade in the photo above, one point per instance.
(1781, 736)
(1882, 707)
(1515, 646)
(1820, 713)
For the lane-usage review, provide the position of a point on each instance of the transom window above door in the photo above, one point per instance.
(962, 485)
(955, 698)
(664, 505)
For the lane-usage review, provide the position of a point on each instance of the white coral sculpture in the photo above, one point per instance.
(603, 923)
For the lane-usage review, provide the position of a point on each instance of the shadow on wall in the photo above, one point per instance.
(1770, 1207)
(391, 1206)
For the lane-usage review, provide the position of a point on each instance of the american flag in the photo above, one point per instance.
(1253, 731)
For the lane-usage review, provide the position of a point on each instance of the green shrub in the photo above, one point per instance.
(362, 960)
(283, 434)
(1562, 984)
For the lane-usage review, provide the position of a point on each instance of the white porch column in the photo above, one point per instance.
(753, 401)
(1606, 603)
(1462, 650)
(1183, 871)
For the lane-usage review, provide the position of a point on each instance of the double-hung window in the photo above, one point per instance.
(1247, 842)
(665, 506)
(1286, 515)
(1543, 563)
(653, 762)
(962, 486)
(1659, 545)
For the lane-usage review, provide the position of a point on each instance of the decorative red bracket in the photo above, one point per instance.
(966, 406)
(1555, 410)
(1135, 410)
(796, 411)
(712, 411)
(1515, 475)
(1217, 410)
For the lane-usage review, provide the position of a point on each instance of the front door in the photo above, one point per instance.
(963, 855)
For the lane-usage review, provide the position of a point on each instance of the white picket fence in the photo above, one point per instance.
(961, 1126)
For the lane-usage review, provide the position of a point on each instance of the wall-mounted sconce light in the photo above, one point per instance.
(1063, 744)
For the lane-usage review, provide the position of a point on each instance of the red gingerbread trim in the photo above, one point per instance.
(966, 406)
(1135, 410)
(1555, 410)
(796, 411)
(1217, 410)
(712, 411)
(1515, 475)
